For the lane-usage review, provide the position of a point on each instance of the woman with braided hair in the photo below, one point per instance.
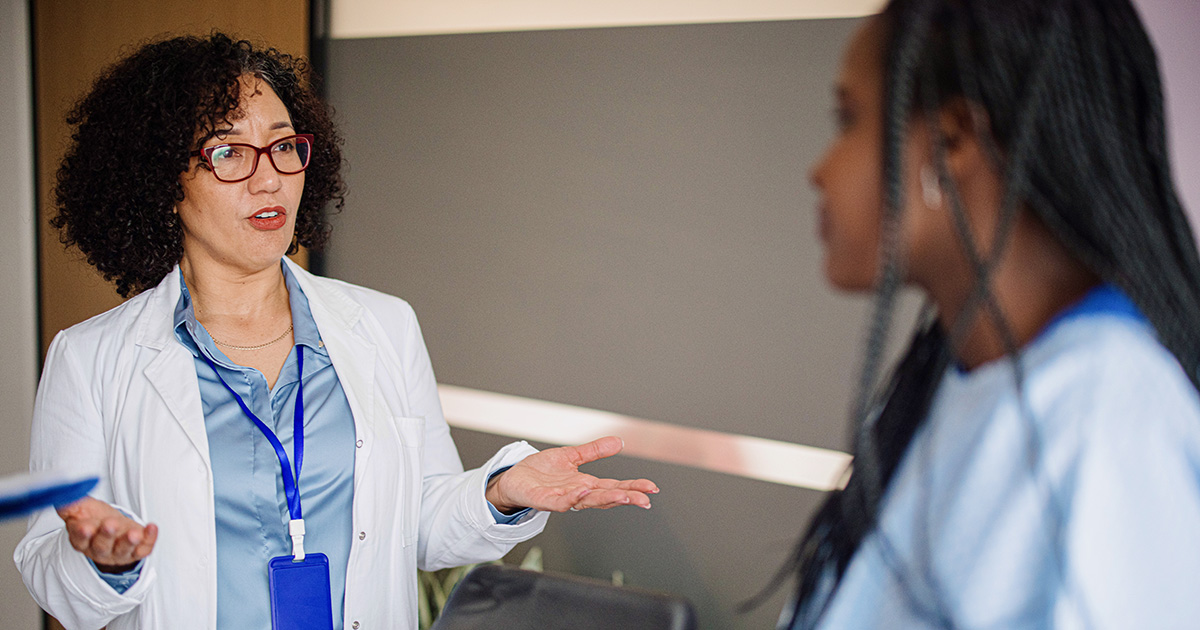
(1034, 459)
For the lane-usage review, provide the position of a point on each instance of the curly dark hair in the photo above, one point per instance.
(132, 138)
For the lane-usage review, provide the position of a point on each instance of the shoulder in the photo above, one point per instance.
(116, 326)
(109, 348)
(1101, 443)
(381, 304)
(376, 314)
(376, 301)
(1108, 378)
(1094, 389)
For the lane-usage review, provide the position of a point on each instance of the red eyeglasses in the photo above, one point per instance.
(235, 162)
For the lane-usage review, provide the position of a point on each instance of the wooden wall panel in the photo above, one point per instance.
(73, 41)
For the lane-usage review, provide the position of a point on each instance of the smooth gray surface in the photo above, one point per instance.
(616, 218)
(18, 328)
(619, 219)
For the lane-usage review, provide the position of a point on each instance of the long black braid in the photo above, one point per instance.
(1073, 118)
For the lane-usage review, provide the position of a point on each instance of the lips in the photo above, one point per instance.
(268, 219)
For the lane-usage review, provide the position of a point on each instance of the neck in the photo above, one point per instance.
(224, 296)
(1036, 279)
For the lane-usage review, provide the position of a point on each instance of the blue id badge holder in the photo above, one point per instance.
(300, 593)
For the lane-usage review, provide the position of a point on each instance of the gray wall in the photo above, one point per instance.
(619, 219)
(18, 332)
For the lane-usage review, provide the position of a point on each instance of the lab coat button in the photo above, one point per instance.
(358, 444)
(362, 535)
(354, 625)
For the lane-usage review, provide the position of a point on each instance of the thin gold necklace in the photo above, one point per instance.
(258, 347)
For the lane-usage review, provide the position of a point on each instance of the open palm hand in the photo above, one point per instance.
(551, 481)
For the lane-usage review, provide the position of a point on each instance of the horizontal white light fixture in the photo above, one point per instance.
(559, 424)
(394, 18)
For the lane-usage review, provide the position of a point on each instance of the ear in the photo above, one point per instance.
(961, 123)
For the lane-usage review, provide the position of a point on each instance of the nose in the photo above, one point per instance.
(265, 177)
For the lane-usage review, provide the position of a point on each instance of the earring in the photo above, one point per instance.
(931, 190)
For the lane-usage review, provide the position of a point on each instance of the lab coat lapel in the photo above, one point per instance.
(172, 373)
(339, 321)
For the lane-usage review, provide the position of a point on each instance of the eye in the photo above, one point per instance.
(287, 145)
(225, 152)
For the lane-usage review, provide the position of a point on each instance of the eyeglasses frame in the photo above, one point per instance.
(206, 155)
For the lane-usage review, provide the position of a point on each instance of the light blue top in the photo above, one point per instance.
(251, 509)
(1084, 513)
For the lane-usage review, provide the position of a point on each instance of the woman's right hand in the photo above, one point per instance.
(115, 542)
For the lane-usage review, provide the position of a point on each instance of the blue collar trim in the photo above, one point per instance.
(1105, 299)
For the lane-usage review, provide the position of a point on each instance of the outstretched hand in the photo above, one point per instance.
(115, 542)
(550, 481)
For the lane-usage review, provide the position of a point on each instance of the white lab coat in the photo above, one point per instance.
(119, 398)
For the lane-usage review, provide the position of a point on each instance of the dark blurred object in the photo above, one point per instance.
(25, 492)
(498, 596)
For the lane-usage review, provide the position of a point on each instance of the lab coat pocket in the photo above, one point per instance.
(412, 437)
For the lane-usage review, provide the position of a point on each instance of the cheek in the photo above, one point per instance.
(852, 251)
(295, 192)
(297, 184)
(859, 208)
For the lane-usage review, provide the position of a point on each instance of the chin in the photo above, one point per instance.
(847, 281)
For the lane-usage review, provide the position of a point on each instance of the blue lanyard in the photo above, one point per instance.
(291, 487)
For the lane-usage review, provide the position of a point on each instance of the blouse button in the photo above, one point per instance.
(362, 535)
(358, 444)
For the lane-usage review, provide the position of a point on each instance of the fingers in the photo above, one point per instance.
(644, 486)
(605, 499)
(124, 540)
(564, 500)
(103, 542)
(80, 533)
(143, 549)
(597, 449)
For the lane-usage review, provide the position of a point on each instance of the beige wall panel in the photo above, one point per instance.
(74, 40)
(389, 18)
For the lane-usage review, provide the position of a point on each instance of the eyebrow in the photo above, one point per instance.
(234, 131)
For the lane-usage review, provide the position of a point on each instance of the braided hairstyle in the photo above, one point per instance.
(1073, 120)
(132, 135)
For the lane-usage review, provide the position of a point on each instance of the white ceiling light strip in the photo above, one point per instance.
(556, 423)
(394, 18)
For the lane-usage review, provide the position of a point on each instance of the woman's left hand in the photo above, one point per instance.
(550, 481)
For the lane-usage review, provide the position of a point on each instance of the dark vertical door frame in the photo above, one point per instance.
(319, 34)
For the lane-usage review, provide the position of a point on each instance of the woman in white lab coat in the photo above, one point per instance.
(1034, 460)
(195, 165)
